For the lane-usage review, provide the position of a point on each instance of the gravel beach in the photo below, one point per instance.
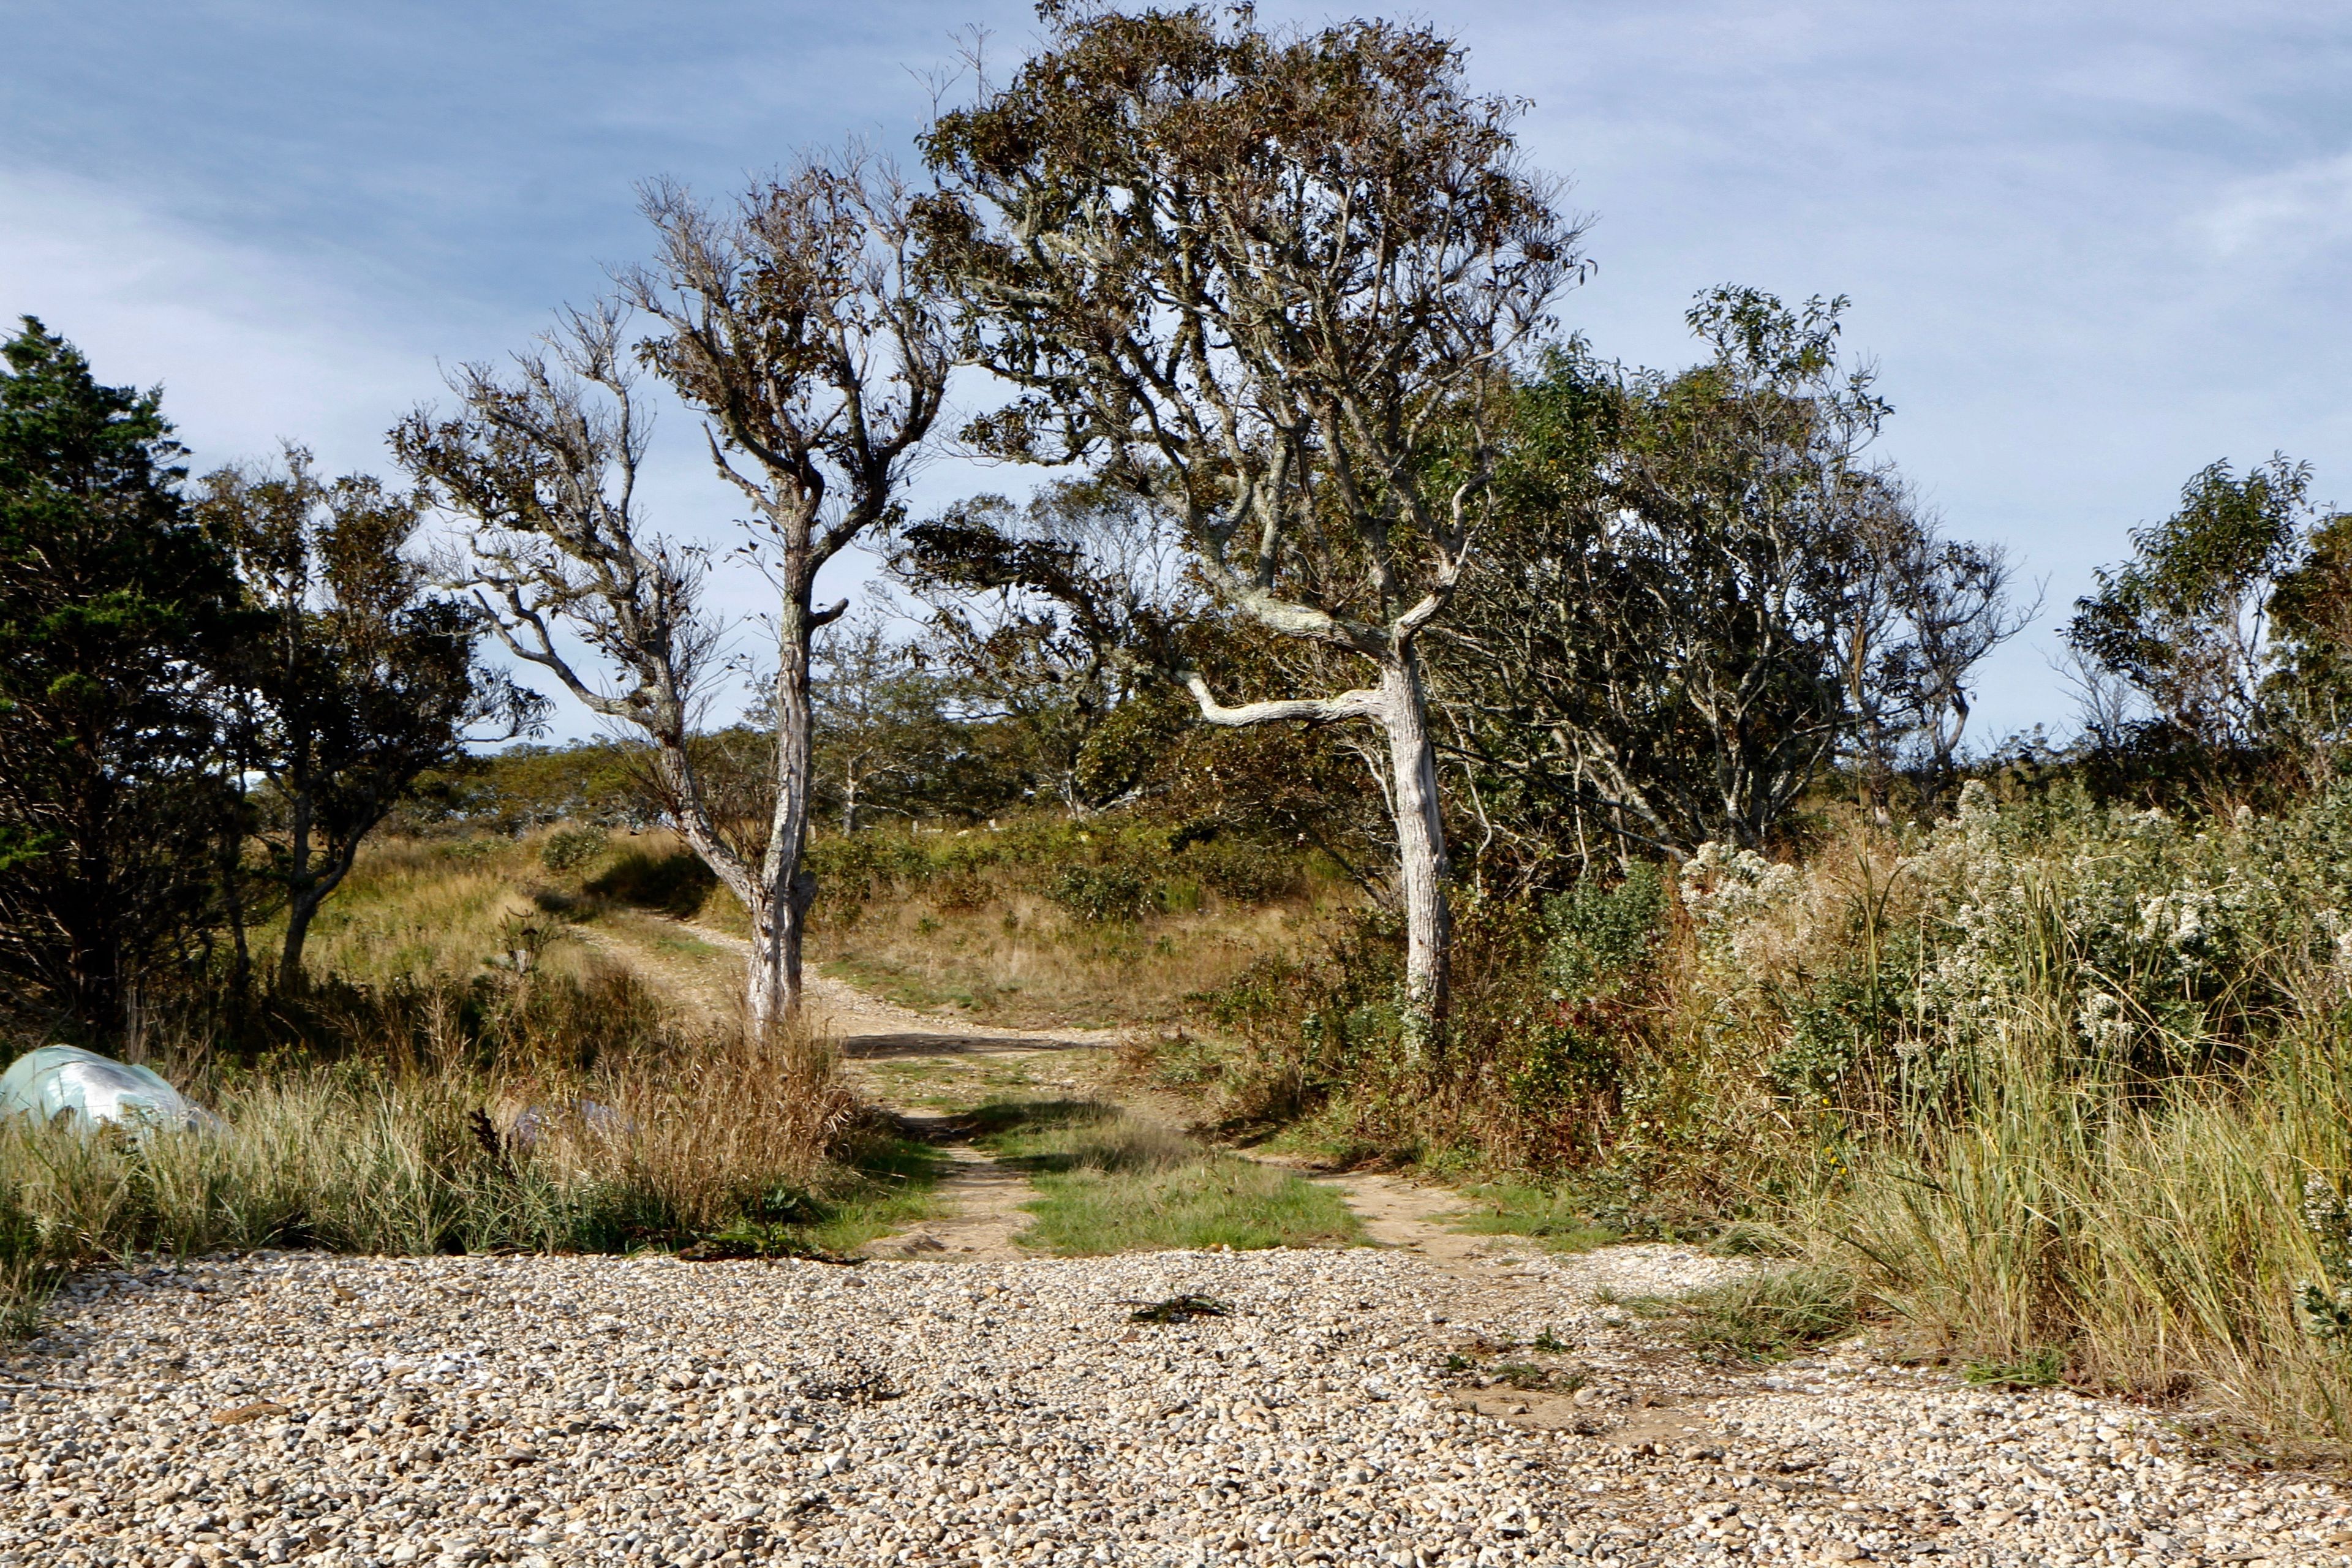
(339, 1411)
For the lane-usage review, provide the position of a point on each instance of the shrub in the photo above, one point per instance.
(673, 881)
(1245, 871)
(1104, 894)
(573, 849)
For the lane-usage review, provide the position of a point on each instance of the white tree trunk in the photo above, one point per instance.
(1422, 868)
(771, 993)
(1399, 706)
(787, 888)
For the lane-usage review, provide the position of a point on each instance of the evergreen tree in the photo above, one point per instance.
(113, 605)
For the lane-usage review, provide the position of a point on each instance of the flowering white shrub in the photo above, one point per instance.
(2158, 944)
(1722, 884)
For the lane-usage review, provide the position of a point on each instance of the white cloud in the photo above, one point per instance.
(2289, 214)
(250, 345)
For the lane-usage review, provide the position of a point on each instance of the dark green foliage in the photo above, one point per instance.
(2308, 692)
(358, 679)
(1601, 931)
(573, 848)
(526, 786)
(1104, 894)
(886, 743)
(116, 611)
(676, 882)
(1050, 620)
(1558, 998)
(1699, 593)
(1245, 871)
(2181, 623)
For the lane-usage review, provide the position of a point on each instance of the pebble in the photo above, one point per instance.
(352, 1412)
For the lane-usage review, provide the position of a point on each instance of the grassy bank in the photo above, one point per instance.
(2060, 1087)
(1038, 921)
(1042, 921)
(532, 1113)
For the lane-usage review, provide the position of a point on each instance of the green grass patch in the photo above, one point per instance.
(1112, 1183)
(1762, 1316)
(1549, 1214)
(1220, 1201)
(2036, 1369)
(891, 1185)
(949, 1084)
(901, 987)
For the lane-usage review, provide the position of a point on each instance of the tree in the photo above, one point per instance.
(1696, 593)
(794, 327)
(1053, 616)
(113, 607)
(1263, 281)
(884, 736)
(2307, 690)
(1924, 612)
(2185, 623)
(360, 679)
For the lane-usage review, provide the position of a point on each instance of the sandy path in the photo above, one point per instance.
(918, 1066)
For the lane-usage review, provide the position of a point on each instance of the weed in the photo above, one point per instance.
(573, 849)
(1761, 1316)
(1550, 1215)
(1177, 1310)
(2040, 1368)
(755, 1239)
(1745, 1239)
(1106, 894)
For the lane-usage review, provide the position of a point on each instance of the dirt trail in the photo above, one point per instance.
(920, 1066)
(924, 1066)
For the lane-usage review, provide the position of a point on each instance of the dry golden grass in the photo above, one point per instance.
(986, 945)
(413, 907)
(1018, 958)
(499, 1138)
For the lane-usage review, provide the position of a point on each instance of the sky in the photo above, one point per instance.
(2092, 247)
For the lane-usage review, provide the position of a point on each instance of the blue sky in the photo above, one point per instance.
(2093, 247)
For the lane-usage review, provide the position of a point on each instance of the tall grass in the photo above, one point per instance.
(2154, 1242)
(2082, 1100)
(536, 1113)
(2067, 1088)
(414, 908)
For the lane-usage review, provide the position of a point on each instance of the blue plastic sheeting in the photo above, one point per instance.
(90, 1090)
